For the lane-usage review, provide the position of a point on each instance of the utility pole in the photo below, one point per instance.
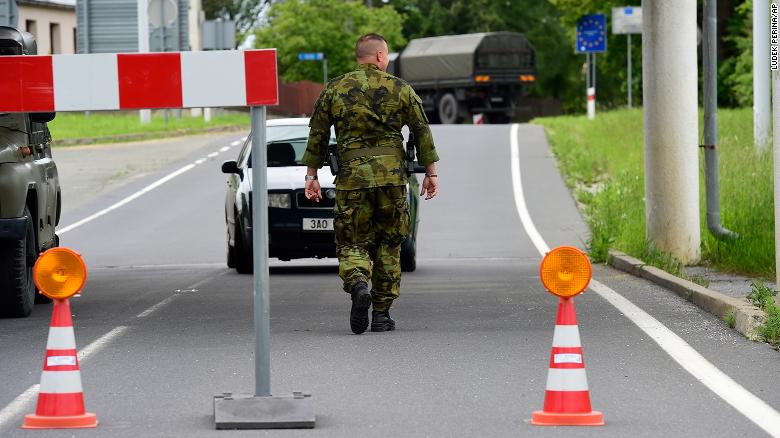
(669, 71)
(761, 92)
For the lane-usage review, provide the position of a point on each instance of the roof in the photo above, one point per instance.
(67, 4)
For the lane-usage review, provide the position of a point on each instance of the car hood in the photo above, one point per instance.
(292, 178)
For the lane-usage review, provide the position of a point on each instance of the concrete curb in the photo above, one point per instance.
(747, 317)
(146, 135)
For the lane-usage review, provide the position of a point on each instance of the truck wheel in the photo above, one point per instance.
(409, 255)
(448, 109)
(17, 290)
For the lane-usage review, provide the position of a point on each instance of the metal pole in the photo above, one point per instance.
(670, 89)
(143, 46)
(710, 74)
(260, 254)
(761, 92)
(325, 70)
(630, 84)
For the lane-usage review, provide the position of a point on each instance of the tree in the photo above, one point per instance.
(327, 26)
(245, 13)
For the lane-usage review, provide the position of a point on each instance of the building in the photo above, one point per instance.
(52, 22)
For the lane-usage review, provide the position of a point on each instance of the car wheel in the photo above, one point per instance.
(243, 256)
(17, 290)
(231, 251)
(448, 109)
(409, 255)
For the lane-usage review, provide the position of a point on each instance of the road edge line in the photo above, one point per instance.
(744, 401)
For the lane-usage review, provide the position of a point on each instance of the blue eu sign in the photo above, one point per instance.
(310, 56)
(592, 34)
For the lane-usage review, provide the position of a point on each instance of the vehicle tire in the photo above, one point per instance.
(39, 297)
(448, 109)
(231, 251)
(409, 255)
(17, 289)
(244, 263)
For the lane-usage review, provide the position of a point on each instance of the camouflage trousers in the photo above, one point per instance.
(377, 217)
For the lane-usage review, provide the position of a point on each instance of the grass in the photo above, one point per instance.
(764, 298)
(119, 124)
(603, 163)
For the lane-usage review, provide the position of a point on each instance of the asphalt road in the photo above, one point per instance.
(166, 325)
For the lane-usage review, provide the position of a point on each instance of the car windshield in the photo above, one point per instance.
(287, 143)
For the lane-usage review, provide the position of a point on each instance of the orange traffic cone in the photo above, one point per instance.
(567, 398)
(61, 399)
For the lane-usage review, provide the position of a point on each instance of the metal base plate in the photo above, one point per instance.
(246, 411)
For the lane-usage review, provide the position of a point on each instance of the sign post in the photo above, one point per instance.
(627, 20)
(316, 56)
(591, 39)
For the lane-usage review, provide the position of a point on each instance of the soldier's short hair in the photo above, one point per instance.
(368, 44)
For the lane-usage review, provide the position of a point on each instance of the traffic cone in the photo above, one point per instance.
(567, 398)
(60, 399)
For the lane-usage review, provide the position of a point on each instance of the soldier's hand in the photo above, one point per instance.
(430, 186)
(313, 191)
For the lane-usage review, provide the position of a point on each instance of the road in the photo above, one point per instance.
(166, 325)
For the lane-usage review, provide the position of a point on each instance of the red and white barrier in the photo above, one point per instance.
(138, 80)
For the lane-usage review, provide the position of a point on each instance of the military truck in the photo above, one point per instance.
(460, 75)
(30, 197)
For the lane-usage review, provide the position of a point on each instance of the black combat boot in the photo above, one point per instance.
(361, 301)
(381, 321)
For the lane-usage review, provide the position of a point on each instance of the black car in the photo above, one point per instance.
(297, 227)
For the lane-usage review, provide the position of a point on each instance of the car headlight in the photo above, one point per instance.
(279, 200)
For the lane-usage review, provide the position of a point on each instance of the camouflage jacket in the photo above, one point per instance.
(368, 108)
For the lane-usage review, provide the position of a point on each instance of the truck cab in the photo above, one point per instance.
(30, 199)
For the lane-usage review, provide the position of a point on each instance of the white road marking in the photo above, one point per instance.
(23, 401)
(200, 161)
(213, 154)
(752, 407)
(135, 195)
(168, 300)
(157, 306)
(224, 149)
(235, 143)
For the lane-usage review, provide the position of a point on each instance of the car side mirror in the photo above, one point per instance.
(231, 167)
(42, 117)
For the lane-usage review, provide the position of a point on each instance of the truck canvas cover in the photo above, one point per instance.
(453, 57)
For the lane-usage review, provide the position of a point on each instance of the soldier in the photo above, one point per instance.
(368, 108)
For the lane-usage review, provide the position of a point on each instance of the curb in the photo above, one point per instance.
(119, 138)
(747, 317)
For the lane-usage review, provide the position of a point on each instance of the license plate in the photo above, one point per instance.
(317, 224)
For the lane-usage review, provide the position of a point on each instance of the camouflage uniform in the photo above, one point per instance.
(368, 108)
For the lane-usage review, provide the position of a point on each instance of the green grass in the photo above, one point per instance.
(107, 124)
(602, 161)
(764, 298)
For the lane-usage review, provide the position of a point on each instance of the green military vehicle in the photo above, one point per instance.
(30, 197)
(460, 75)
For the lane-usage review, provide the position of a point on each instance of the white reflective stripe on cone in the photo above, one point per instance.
(61, 338)
(567, 379)
(566, 336)
(60, 382)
